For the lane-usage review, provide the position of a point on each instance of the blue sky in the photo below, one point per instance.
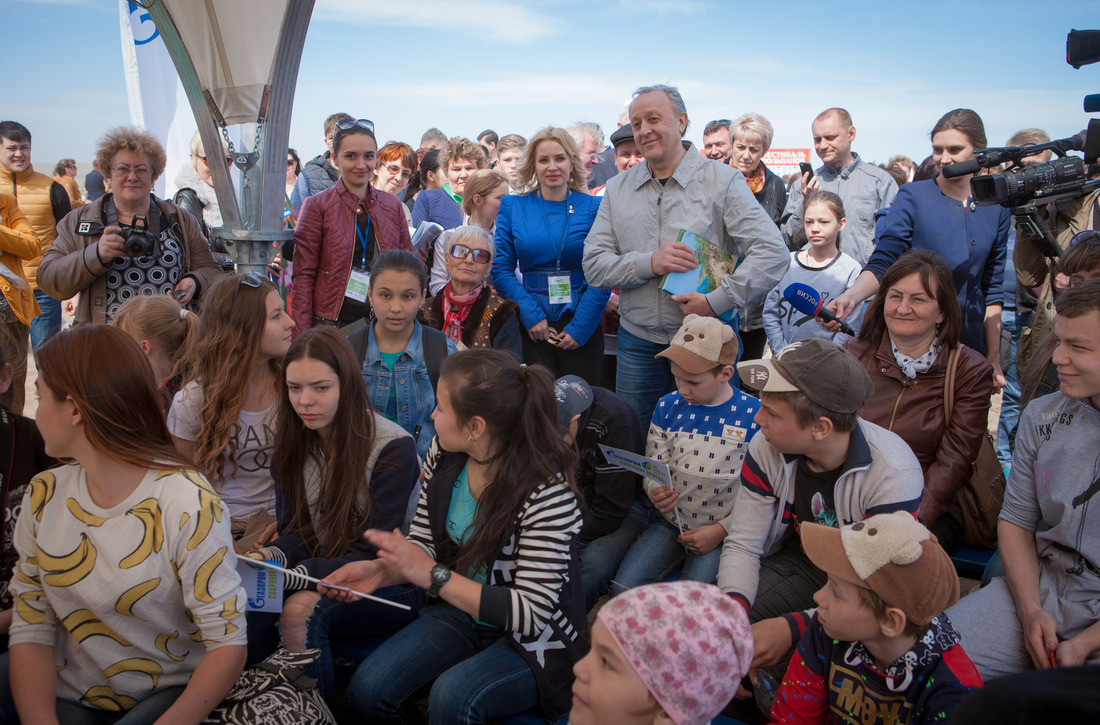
(516, 66)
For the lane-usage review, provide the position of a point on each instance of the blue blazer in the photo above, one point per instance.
(544, 238)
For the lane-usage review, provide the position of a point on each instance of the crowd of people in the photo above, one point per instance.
(570, 494)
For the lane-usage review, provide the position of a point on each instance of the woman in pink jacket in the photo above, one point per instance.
(341, 231)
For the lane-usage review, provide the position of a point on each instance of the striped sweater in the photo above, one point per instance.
(533, 590)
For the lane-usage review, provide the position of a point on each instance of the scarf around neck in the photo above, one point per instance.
(455, 310)
(911, 367)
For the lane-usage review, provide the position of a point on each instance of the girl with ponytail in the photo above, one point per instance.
(165, 330)
(493, 544)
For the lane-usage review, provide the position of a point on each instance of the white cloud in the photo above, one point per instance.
(664, 7)
(498, 21)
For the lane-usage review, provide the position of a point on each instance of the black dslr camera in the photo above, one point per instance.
(139, 242)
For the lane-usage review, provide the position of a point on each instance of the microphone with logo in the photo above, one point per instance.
(806, 300)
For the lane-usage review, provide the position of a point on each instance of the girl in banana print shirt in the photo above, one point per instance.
(127, 601)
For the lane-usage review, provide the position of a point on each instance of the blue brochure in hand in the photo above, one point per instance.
(715, 264)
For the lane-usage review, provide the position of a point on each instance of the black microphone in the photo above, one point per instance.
(806, 300)
(961, 169)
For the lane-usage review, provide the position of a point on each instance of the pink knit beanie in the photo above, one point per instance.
(690, 643)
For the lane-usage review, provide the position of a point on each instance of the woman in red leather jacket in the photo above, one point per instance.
(340, 233)
(910, 328)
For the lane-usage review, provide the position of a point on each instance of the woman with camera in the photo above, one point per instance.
(128, 242)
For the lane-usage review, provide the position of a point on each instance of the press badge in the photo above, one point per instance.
(561, 291)
(358, 285)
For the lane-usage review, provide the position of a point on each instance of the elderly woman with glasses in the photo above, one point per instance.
(101, 251)
(467, 310)
(341, 231)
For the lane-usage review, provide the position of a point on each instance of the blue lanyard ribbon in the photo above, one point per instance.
(362, 235)
(560, 247)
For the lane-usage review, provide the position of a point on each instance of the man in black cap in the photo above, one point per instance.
(626, 154)
(614, 512)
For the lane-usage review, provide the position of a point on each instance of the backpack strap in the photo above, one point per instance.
(358, 333)
(435, 349)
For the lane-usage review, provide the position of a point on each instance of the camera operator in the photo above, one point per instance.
(1036, 272)
(101, 251)
(1019, 305)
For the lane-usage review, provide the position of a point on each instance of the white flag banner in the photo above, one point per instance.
(157, 99)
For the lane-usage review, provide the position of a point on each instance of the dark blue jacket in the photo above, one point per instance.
(972, 239)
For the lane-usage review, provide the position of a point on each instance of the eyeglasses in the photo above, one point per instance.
(125, 171)
(348, 124)
(289, 163)
(398, 170)
(228, 159)
(254, 281)
(461, 251)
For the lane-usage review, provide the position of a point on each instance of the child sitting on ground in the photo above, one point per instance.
(702, 432)
(664, 653)
(879, 648)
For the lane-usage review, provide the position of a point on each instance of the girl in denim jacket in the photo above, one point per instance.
(395, 370)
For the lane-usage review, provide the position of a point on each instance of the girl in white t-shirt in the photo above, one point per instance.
(224, 417)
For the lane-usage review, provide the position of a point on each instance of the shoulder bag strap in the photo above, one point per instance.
(949, 383)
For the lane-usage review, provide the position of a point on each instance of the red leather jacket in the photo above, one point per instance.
(914, 410)
(324, 243)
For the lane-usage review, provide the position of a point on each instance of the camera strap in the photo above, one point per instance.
(110, 215)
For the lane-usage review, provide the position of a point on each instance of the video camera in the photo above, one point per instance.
(1022, 188)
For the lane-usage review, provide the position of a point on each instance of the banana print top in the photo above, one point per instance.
(130, 597)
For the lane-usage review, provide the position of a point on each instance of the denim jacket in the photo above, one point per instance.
(415, 396)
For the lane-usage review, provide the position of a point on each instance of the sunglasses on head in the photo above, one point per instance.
(1088, 235)
(348, 123)
(254, 281)
(461, 251)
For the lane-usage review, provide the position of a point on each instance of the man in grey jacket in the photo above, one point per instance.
(632, 243)
(864, 188)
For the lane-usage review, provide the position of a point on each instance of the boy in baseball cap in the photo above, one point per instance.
(702, 432)
(814, 461)
(879, 641)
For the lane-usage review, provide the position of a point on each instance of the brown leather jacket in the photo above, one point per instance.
(914, 410)
(324, 244)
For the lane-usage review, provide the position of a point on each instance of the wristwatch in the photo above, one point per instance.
(440, 576)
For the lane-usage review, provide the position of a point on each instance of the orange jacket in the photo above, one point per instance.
(43, 208)
(17, 242)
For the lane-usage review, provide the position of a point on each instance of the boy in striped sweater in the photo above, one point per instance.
(702, 432)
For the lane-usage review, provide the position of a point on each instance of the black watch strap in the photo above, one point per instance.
(440, 576)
